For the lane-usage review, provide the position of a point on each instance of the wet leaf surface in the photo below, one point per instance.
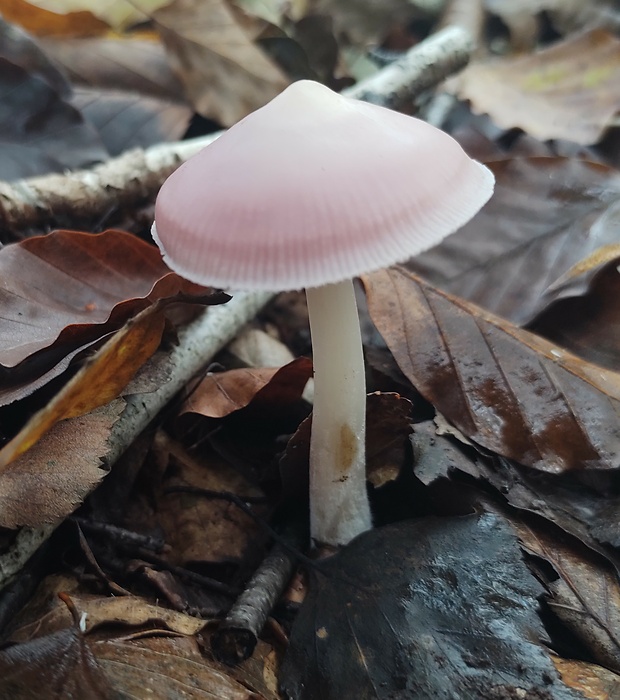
(509, 390)
(586, 594)
(545, 216)
(63, 663)
(435, 608)
(586, 318)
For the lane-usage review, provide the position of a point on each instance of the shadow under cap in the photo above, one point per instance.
(315, 188)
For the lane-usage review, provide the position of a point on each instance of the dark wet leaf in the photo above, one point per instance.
(63, 663)
(508, 390)
(586, 318)
(586, 508)
(39, 131)
(546, 215)
(586, 594)
(435, 608)
(22, 50)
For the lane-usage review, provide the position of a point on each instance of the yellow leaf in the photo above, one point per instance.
(101, 379)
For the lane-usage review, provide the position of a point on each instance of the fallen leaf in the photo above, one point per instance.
(102, 379)
(221, 393)
(566, 91)
(593, 682)
(545, 216)
(508, 390)
(586, 594)
(53, 478)
(431, 608)
(68, 288)
(45, 23)
(118, 14)
(39, 131)
(117, 63)
(63, 663)
(584, 318)
(225, 74)
(126, 120)
(126, 611)
(22, 50)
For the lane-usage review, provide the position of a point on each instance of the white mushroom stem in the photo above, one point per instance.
(339, 509)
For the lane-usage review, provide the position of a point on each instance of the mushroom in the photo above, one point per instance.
(310, 191)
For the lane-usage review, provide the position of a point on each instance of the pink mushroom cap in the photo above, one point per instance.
(315, 188)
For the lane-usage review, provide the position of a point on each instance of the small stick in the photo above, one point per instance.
(237, 636)
(133, 179)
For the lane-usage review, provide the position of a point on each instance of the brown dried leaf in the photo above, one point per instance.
(198, 529)
(119, 63)
(69, 288)
(567, 91)
(99, 381)
(126, 120)
(221, 393)
(53, 478)
(509, 390)
(552, 213)
(593, 682)
(225, 74)
(128, 611)
(46, 23)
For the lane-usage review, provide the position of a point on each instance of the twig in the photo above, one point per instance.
(237, 635)
(126, 182)
(421, 68)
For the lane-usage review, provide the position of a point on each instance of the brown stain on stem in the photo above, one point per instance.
(346, 450)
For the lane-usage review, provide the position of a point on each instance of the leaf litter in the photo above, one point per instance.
(532, 254)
